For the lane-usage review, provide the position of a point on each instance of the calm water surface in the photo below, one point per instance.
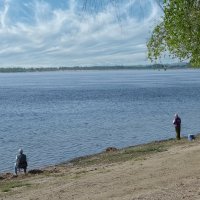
(56, 116)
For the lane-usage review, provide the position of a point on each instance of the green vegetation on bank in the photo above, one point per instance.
(134, 67)
(138, 152)
(9, 185)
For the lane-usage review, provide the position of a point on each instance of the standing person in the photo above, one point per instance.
(177, 124)
(21, 162)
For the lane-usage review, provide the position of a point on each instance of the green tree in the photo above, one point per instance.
(178, 32)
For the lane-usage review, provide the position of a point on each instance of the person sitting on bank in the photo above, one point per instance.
(177, 124)
(21, 162)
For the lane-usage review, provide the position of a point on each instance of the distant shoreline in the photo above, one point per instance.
(101, 68)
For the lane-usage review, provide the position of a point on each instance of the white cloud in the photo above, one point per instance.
(69, 37)
(3, 13)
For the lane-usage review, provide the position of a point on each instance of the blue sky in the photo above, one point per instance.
(45, 33)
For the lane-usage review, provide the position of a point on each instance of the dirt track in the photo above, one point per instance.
(168, 175)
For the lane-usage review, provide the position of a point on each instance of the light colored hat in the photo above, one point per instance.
(176, 115)
(21, 151)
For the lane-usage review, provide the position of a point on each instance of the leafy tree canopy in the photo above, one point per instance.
(178, 32)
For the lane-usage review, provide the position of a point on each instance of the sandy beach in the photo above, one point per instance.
(168, 170)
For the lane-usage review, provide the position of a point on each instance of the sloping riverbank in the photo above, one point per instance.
(159, 170)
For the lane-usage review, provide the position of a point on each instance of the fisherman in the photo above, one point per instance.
(21, 162)
(177, 124)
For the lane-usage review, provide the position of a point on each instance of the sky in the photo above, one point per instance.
(54, 33)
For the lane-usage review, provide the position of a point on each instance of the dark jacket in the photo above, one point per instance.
(21, 161)
(177, 122)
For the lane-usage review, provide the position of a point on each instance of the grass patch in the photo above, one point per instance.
(8, 186)
(131, 153)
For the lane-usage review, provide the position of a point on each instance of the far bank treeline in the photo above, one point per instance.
(49, 69)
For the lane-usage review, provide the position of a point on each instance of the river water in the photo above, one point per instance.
(57, 116)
